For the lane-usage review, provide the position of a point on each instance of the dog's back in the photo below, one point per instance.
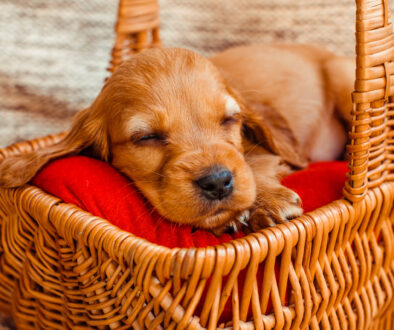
(305, 84)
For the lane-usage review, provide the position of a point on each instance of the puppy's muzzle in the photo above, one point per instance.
(217, 185)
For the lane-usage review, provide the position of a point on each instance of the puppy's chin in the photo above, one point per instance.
(218, 219)
(212, 216)
(184, 207)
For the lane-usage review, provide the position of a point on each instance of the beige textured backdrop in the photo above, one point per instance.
(54, 52)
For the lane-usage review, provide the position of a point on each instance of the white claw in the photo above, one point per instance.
(235, 228)
(243, 221)
(244, 217)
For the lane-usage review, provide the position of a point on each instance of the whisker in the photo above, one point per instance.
(252, 149)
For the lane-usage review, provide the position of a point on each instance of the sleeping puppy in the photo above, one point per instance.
(207, 141)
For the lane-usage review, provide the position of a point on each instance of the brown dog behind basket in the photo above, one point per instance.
(207, 144)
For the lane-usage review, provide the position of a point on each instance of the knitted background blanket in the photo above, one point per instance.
(54, 52)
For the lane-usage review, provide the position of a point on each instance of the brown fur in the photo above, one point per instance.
(285, 93)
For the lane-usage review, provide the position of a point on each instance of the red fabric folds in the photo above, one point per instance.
(98, 188)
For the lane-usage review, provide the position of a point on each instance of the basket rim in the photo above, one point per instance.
(73, 223)
(36, 194)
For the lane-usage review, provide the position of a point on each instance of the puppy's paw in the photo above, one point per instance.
(237, 224)
(274, 206)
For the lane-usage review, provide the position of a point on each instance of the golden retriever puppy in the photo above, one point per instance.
(207, 141)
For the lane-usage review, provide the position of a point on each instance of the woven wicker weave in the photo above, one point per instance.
(64, 268)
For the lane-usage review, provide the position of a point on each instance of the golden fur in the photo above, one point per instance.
(168, 115)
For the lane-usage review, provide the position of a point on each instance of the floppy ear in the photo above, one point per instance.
(87, 132)
(264, 126)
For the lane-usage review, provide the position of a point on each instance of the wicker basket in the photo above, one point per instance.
(61, 267)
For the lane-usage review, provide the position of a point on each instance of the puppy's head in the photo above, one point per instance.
(175, 129)
(168, 121)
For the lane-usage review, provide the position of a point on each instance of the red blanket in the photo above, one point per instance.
(97, 187)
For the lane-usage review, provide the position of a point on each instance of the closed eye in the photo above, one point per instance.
(150, 138)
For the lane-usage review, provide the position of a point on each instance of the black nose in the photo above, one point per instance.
(218, 184)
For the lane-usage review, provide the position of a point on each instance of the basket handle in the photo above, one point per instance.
(369, 152)
(137, 28)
